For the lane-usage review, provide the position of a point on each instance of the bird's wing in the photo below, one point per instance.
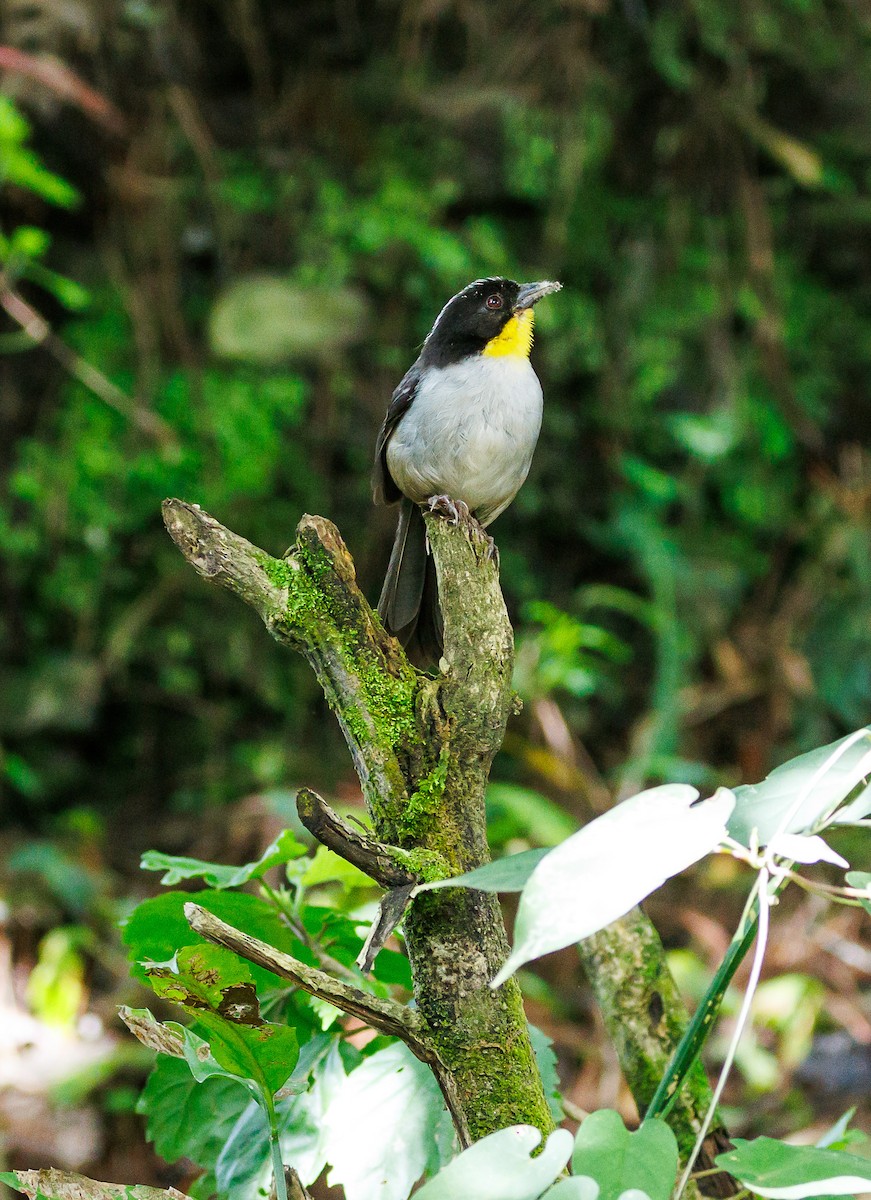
(384, 488)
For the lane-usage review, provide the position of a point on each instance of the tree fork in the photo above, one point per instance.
(422, 749)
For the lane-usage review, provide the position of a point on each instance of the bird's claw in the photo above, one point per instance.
(454, 510)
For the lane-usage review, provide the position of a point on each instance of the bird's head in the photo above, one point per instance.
(490, 316)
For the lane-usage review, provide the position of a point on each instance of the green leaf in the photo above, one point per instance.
(504, 875)
(620, 1161)
(188, 1119)
(158, 927)
(29, 242)
(545, 1058)
(611, 864)
(512, 809)
(328, 867)
(284, 849)
(764, 806)
(499, 1167)
(861, 880)
(702, 1020)
(386, 1126)
(244, 1163)
(208, 978)
(839, 1135)
(218, 987)
(265, 1054)
(774, 1169)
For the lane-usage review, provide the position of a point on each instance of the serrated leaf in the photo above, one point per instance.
(781, 1172)
(67, 1185)
(265, 1054)
(546, 1061)
(216, 985)
(503, 875)
(165, 1038)
(208, 979)
(605, 869)
(187, 1119)
(383, 1127)
(157, 928)
(620, 1161)
(499, 1167)
(763, 806)
(244, 1163)
(284, 849)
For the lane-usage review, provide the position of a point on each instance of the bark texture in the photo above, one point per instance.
(645, 1016)
(422, 748)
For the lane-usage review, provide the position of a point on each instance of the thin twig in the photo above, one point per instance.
(370, 856)
(380, 1012)
(761, 888)
(35, 326)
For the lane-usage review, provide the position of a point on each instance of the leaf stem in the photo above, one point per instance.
(275, 1149)
(765, 901)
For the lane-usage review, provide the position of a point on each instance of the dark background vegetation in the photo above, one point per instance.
(275, 200)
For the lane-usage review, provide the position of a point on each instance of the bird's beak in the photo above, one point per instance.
(531, 293)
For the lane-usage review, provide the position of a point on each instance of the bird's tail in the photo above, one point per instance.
(409, 604)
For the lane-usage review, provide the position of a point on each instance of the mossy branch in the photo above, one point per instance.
(645, 1016)
(423, 748)
(310, 600)
(382, 863)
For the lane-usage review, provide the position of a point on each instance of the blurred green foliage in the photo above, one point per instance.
(298, 194)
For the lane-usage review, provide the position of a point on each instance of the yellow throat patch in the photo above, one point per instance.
(515, 340)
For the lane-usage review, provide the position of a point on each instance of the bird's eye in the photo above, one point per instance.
(494, 301)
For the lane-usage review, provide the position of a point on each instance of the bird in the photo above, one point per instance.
(458, 438)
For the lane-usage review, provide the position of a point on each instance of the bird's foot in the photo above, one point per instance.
(456, 511)
(453, 510)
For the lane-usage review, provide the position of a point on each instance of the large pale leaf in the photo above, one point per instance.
(805, 848)
(620, 1161)
(764, 806)
(386, 1127)
(499, 1167)
(781, 1172)
(504, 875)
(582, 1188)
(601, 872)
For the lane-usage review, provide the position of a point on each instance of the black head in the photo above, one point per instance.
(477, 315)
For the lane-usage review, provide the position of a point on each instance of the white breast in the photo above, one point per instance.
(469, 433)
